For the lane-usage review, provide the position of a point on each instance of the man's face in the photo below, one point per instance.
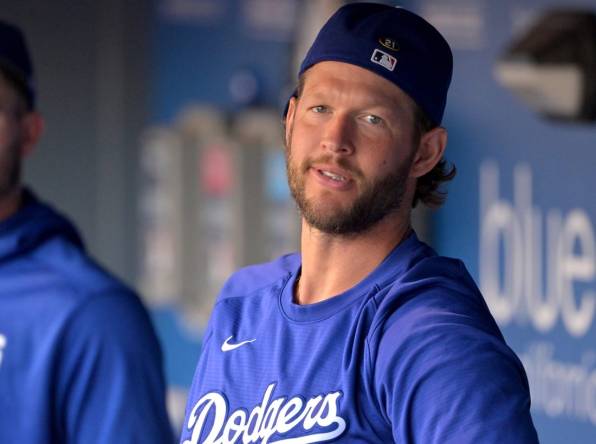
(11, 111)
(349, 148)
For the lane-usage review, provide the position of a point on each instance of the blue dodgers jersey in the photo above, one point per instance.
(79, 361)
(409, 355)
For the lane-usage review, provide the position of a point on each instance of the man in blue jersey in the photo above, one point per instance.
(367, 335)
(79, 360)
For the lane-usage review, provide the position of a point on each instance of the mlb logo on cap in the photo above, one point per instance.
(384, 59)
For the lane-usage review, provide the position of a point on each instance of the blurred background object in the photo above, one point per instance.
(552, 66)
(164, 142)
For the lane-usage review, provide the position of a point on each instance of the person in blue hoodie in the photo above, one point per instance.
(367, 335)
(79, 359)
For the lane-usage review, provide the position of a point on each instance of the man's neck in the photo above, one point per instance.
(10, 202)
(332, 264)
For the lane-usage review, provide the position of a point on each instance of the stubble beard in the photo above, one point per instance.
(10, 169)
(378, 198)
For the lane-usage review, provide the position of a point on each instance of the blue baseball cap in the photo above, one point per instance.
(15, 60)
(392, 42)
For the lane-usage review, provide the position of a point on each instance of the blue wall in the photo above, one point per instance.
(201, 50)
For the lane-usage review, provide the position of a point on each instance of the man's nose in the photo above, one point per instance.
(338, 135)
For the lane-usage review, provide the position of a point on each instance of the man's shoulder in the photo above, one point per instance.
(435, 290)
(59, 279)
(41, 249)
(435, 344)
(430, 273)
(59, 294)
(71, 268)
(48, 275)
(254, 278)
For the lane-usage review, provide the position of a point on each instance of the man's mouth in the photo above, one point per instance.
(333, 176)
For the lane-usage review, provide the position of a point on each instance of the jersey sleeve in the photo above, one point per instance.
(448, 377)
(110, 380)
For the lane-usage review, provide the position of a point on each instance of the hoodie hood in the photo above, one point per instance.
(31, 226)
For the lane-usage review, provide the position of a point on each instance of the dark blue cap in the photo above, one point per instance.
(15, 59)
(393, 43)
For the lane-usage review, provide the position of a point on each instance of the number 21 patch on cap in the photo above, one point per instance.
(385, 60)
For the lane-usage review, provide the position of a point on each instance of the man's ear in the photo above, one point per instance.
(290, 119)
(32, 124)
(430, 151)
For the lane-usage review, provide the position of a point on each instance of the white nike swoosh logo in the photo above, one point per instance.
(226, 346)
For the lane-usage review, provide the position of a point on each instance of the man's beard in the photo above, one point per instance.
(378, 198)
(10, 169)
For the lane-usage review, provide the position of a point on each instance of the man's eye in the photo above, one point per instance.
(372, 119)
(319, 109)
